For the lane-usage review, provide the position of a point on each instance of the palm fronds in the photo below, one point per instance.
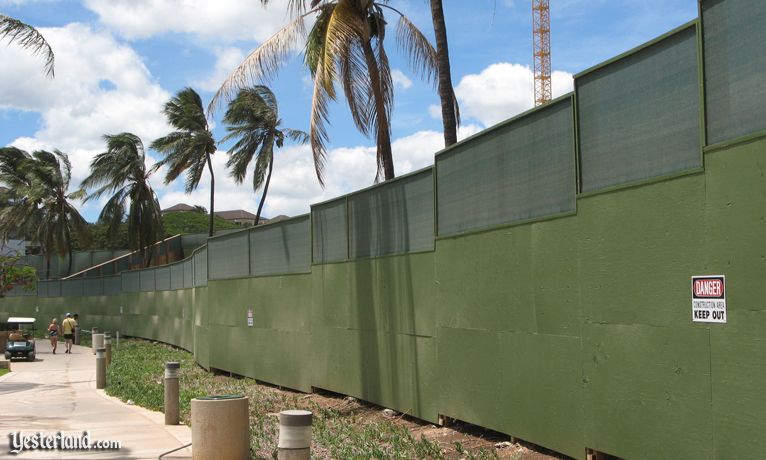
(189, 148)
(345, 45)
(29, 38)
(252, 120)
(39, 206)
(121, 171)
(263, 63)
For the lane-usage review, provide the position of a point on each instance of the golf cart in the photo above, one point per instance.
(21, 339)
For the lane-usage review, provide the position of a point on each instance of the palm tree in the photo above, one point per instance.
(190, 146)
(346, 44)
(39, 205)
(28, 38)
(450, 109)
(122, 172)
(253, 119)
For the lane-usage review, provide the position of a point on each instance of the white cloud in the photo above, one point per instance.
(101, 87)
(219, 21)
(77, 108)
(435, 111)
(227, 59)
(503, 90)
(400, 79)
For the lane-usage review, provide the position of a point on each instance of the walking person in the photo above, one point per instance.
(53, 334)
(67, 327)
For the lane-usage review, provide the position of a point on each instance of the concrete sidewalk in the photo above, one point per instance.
(58, 393)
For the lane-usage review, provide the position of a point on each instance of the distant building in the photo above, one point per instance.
(180, 207)
(278, 218)
(13, 247)
(239, 217)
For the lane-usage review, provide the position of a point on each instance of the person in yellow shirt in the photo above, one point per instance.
(67, 327)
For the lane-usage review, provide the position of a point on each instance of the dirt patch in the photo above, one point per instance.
(457, 440)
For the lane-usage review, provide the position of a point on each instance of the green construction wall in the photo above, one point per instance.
(570, 333)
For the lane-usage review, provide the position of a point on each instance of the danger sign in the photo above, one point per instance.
(709, 299)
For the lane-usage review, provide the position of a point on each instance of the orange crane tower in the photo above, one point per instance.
(541, 45)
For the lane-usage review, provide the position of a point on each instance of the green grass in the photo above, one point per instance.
(3, 372)
(192, 222)
(137, 370)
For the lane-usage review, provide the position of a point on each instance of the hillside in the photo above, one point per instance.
(192, 222)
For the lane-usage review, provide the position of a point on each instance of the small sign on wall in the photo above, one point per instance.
(249, 317)
(709, 299)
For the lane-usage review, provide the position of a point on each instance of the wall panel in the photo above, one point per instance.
(393, 217)
(283, 247)
(639, 116)
(735, 62)
(521, 170)
(329, 223)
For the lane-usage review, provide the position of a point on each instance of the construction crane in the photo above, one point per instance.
(541, 46)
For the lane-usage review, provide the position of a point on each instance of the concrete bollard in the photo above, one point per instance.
(117, 345)
(93, 333)
(220, 428)
(108, 348)
(77, 333)
(294, 435)
(98, 341)
(100, 368)
(171, 393)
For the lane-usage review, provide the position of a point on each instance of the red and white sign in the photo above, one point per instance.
(709, 299)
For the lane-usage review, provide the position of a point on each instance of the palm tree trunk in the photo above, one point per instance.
(385, 157)
(212, 195)
(69, 250)
(265, 190)
(446, 91)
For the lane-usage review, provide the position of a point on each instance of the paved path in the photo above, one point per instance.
(58, 393)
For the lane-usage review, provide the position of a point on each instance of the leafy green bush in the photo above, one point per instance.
(192, 222)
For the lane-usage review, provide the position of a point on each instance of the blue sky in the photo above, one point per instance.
(118, 61)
